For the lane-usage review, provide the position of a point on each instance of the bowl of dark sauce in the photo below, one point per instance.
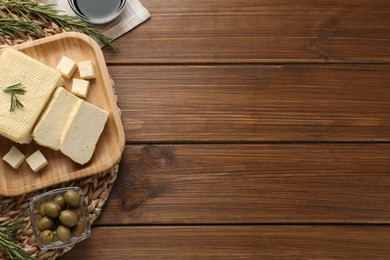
(97, 11)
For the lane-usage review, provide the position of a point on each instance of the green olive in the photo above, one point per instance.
(72, 198)
(79, 228)
(55, 237)
(45, 223)
(68, 218)
(78, 211)
(52, 209)
(60, 200)
(63, 233)
(46, 237)
(42, 209)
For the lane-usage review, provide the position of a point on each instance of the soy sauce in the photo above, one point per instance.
(97, 8)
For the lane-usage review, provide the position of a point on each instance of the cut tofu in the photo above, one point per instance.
(80, 87)
(67, 67)
(39, 82)
(14, 157)
(87, 69)
(48, 130)
(82, 131)
(36, 161)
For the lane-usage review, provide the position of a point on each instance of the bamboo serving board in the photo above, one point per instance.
(50, 50)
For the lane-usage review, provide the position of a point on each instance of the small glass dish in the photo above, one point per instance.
(81, 211)
(104, 15)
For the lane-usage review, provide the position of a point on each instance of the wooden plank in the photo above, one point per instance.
(276, 183)
(259, 31)
(254, 102)
(233, 242)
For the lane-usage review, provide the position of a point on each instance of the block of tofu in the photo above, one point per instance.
(36, 161)
(87, 69)
(39, 81)
(14, 157)
(82, 131)
(80, 87)
(48, 130)
(67, 67)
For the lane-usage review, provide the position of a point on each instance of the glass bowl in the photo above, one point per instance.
(101, 18)
(78, 232)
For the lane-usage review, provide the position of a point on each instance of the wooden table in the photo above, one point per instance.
(255, 129)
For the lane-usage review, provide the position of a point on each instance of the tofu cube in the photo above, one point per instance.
(87, 69)
(14, 157)
(80, 87)
(36, 161)
(67, 67)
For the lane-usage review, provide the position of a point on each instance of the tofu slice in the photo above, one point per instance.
(50, 126)
(14, 157)
(67, 67)
(82, 131)
(36, 161)
(87, 69)
(39, 81)
(80, 87)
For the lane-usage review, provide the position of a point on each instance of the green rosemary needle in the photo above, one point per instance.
(15, 90)
(11, 26)
(7, 242)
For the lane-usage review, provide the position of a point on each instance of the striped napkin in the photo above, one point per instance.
(133, 14)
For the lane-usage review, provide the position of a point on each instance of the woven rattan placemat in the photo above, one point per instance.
(95, 188)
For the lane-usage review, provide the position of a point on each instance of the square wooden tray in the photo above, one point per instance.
(60, 169)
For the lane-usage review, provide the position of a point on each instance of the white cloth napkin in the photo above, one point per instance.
(133, 14)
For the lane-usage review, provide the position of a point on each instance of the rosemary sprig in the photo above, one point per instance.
(7, 242)
(15, 90)
(10, 27)
(28, 10)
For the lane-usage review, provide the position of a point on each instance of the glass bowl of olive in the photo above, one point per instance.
(59, 218)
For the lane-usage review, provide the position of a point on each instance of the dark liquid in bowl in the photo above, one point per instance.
(97, 8)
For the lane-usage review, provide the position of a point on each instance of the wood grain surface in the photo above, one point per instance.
(236, 242)
(188, 31)
(254, 129)
(254, 102)
(282, 183)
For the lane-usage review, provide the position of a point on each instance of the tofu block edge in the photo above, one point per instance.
(48, 130)
(82, 132)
